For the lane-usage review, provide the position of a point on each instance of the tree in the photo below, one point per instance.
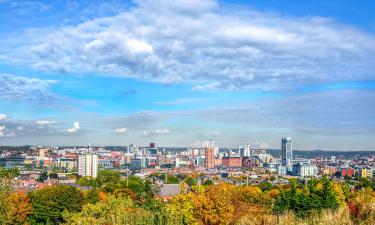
(17, 208)
(5, 190)
(124, 192)
(172, 180)
(134, 183)
(7, 175)
(108, 180)
(91, 196)
(265, 186)
(53, 176)
(328, 194)
(111, 211)
(181, 210)
(190, 181)
(87, 181)
(208, 182)
(50, 202)
(43, 176)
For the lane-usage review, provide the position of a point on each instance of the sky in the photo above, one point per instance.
(178, 72)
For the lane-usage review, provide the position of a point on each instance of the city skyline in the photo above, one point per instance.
(180, 72)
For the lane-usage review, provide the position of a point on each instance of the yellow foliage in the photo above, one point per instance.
(181, 208)
(273, 193)
(337, 188)
(365, 202)
(17, 208)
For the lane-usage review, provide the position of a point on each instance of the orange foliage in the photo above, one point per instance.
(214, 206)
(102, 196)
(123, 192)
(273, 193)
(18, 207)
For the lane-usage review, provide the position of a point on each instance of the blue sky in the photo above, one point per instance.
(180, 72)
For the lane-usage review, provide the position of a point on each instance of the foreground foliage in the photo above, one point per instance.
(112, 201)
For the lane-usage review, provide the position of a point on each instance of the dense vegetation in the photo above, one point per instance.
(112, 200)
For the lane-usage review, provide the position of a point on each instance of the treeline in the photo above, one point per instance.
(111, 200)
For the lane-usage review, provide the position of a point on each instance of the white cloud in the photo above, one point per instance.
(162, 131)
(216, 133)
(45, 122)
(75, 128)
(156, 132)
(2, 131)
(203, 43)
(3, 117)
(19, 88)
(121, 130)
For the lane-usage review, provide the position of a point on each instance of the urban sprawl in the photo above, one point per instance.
(41, 166)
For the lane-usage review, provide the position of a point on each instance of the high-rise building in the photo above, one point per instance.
(152, 150)
(286, 150)
(245, 151)
(210, 155)
(88, 165)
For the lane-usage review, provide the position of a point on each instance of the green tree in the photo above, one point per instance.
(50, 202)
(190, 181)
(53, 176)
(265, 186)
(88, 182)
(91, 196)
(7, 175)
(43, 176)
(172, 180)
(5, 191)
(108, 180)
(208, 182)
(135, 183)
(327, 193)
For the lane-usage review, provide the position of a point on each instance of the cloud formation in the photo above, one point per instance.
(76, 127)
(5, 133)
(3, 117)
(18, 88)
(121, 130)
(45, 122)
(214, 48)
(156, 132)
(216, 133)
(2, 131)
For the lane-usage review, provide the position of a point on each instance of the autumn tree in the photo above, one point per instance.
(17, 208)
(181, 210)
(112, 211)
